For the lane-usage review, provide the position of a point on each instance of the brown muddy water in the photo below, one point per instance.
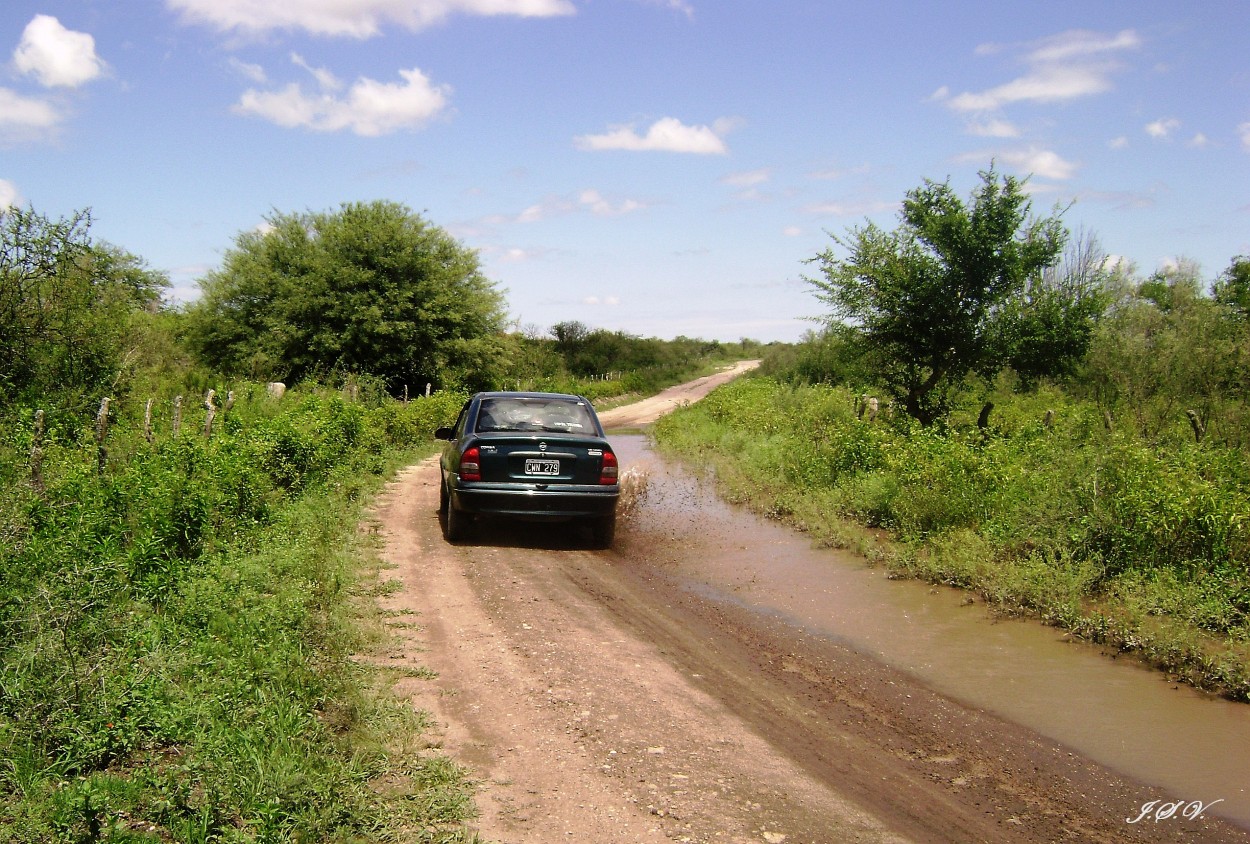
(1191, 746)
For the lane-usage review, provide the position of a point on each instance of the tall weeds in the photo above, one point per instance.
(175, 632)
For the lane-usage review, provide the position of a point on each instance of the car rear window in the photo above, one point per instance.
(560, 416)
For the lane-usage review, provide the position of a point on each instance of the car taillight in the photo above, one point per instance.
(470, 468)
(608, 474)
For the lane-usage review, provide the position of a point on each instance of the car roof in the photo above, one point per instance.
(508, 394)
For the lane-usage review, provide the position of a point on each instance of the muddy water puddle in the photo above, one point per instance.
(1187, 745)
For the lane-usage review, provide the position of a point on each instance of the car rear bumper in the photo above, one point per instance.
(536, 502)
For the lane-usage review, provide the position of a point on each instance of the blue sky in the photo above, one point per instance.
(661, 167)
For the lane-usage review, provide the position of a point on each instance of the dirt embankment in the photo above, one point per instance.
(595, 703)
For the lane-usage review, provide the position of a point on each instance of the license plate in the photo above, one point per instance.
(542, 467)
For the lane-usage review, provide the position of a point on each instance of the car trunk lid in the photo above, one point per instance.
(542, 460)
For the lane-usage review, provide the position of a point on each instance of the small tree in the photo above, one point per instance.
(372, 288)
(1174, 287)
(1232, 288)
(957, 288)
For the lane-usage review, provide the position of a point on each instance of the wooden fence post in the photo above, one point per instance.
(177, 416)
(210, 413)
(1195, 422)
(101, 434)
(147, 421)
(983, 421)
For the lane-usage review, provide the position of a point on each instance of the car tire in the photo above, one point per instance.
(603, 531)
(456, 524)
(444, 500)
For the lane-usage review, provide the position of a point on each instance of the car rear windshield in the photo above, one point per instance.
(560, 416)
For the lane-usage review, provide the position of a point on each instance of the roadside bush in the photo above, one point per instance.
(1151, 511)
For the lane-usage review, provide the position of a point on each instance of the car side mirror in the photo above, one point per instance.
(444, 433)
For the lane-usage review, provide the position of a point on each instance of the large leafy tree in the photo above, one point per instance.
(958, 288)
(370, 288)
(66, 309)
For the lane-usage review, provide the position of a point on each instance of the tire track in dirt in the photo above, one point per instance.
(576, 728)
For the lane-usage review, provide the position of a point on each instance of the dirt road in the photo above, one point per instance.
(595, 702)
(650, 409)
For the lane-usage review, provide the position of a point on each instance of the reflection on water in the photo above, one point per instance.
(1193, 746)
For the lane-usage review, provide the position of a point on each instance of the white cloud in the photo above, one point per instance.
(993, 128)
(1062, 67)
(1243, 131)
(369, 108)
(792, 231)
(1035, 188)
(608, 301)
(352, 18)
(1199, 141)
(1031, 161)
(1040, 162)
(587, 200)
(1044, 85)
(681, 6)
(600, 207)
(10, 196)
(517, 255)
(665, 135)
(252, 72)
(1081, 42)
(325, 78)
(856, 208)
(1162, 128)
(747, 179)
(23, 118)
(837, 173)
(56, 56)
(748, 182)
(1118, 143)
(1120, 200)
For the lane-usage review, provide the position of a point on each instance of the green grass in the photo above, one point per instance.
(177, 637)
(1142, 546)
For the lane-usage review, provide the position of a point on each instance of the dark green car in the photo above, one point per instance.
(536, 456)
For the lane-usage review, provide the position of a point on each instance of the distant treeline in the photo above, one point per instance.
(371, 292)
